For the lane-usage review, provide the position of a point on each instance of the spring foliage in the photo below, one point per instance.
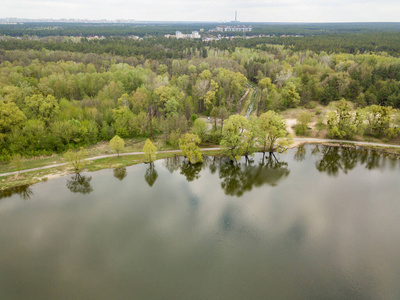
(149, 151)
(76, 159)
(189, 146)
(117, 144)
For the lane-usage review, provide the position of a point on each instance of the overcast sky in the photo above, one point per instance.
(208, 10)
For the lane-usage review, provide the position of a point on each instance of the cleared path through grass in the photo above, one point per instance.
(95, 158)
(305, 140)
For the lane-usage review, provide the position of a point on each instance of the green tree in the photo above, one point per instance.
(188, 144)
(342, 121)
(200, 127)
(43, 108)
(272, 132)
(76, 159)
(214, 117)
(274, 101)
(209, 97)
(117, 144)
(10, 117)
(379, 119)
(250, 137)
(222, 115)
(123, 118)
(140, 100)
(290, 96)
(232, 142)
(265, 83)
(149, 151)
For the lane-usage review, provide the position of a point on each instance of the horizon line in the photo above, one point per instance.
(133, 21)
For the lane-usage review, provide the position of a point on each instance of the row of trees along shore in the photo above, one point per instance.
(54, 101)
(240, 137)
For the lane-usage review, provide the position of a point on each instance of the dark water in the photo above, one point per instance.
(315, 223)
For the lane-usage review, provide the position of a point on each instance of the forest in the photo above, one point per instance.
(57, 95)
(49, 29)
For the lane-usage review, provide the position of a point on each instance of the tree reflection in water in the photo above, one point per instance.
(173, 163)
(191, 171)
(80, 184)
(237, 178)
(151, 175)
(335, 159)
(23, 191)
(120, 173)
(242, 177)
(300, 154)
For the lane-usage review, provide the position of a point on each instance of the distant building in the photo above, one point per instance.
(96, 37)
(180, 35)
(193, 35)
(236, 28)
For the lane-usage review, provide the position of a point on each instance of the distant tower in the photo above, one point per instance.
(235, 16)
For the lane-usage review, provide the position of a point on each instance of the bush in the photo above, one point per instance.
(193, 118)
(301, 130)
(302, 123)
(173, 138)
(213, 138)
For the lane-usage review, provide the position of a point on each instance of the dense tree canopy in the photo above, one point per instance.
(57, 94)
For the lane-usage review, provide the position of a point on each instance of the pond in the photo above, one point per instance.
(315, 223)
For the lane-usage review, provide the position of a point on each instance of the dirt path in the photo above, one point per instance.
(239, 104)
(296, 140)
(314, 140)
(95, 158)
(252, 102)
(289, 125)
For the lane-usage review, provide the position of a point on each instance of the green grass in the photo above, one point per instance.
(101, 148)
(29, 177)
(34, 162)
(91, 166)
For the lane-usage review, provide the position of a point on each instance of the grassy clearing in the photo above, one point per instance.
(34, 162)
(314, 107)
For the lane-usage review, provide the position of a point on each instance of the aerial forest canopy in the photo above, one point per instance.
(57, 94)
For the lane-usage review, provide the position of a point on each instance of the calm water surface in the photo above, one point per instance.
(315, 223)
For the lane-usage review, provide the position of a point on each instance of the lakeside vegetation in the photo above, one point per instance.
(57, 95)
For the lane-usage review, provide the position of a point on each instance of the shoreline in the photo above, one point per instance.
(112, 161)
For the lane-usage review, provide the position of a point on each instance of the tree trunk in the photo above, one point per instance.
(151, 122)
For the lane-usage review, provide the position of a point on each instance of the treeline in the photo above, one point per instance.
(345, 43)
(91, 29)
(51, 101)
(371, 121)
(364, 43)
(159, 29)
(154, 48)
(160, 48)
(50, 107)
(157, 48)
